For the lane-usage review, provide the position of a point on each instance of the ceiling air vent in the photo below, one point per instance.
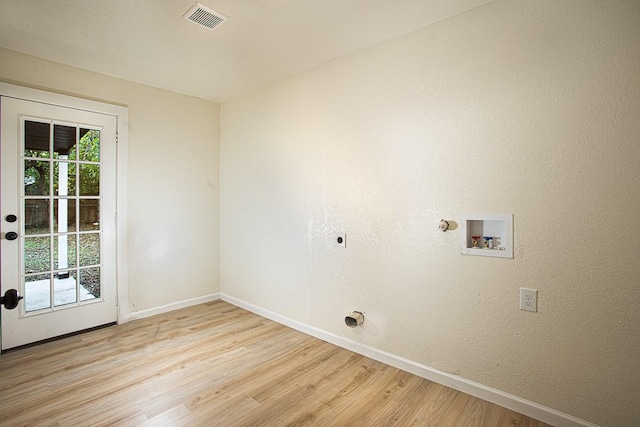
(205, 17)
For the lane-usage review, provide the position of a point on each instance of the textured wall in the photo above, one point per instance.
(530, 108)
(172, 178)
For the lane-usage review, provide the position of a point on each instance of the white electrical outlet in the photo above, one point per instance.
(529, 299)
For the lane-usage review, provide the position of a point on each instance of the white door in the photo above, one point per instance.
(58, 203)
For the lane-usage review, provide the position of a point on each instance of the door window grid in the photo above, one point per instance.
(79, 197)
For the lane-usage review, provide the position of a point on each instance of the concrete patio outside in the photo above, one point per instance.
(37, 293)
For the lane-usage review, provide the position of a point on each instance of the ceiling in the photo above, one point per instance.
(264, 41)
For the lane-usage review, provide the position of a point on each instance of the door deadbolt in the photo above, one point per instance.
(11, 235)
(11, 218)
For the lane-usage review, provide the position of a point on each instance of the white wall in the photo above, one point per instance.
(172, 178)
(530, 108)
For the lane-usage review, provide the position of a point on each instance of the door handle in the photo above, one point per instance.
(11, 235)
(10, 299)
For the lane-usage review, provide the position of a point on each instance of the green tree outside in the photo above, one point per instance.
(37, 177)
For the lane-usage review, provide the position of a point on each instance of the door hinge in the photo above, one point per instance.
(116, 137)
(116, 218)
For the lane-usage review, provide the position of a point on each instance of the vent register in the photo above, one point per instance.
(205, 17)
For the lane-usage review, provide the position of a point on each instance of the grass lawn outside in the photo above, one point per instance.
(38, 259)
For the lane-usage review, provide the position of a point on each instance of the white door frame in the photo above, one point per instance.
(122, 137)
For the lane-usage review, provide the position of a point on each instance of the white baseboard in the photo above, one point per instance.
(142, 314)
(509, 401)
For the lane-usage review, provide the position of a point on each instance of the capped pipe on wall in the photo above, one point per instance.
(355, 318)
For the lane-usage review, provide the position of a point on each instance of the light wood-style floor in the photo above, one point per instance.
(219, 365)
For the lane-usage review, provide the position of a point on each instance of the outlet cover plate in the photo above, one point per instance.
(529, 299)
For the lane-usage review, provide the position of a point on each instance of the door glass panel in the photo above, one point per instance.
(64, 288)
(89, 214)
(89, 145)
(37, 292)
(36, 177)
(64, 141)
(89, 180)
(53, 252)
(64, 215)
(36, 139)
(64, 251)
(89, 249)
(36, 216)
(37, 254)
(64, 179)
(90, 282)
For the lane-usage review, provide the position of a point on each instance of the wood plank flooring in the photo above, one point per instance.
(219, 365)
